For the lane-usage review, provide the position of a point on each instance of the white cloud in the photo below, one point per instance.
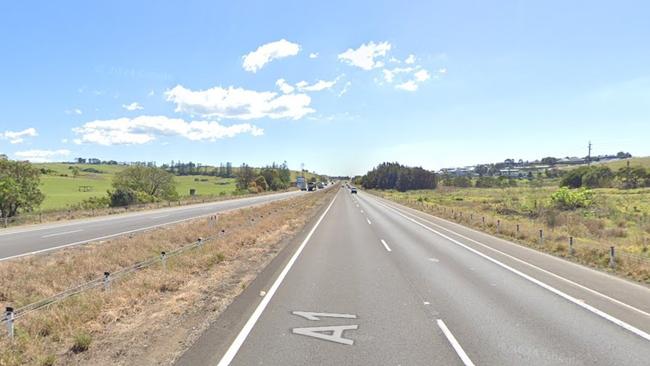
(144, 129)
(364, 56)
(389, 75)
(238, 103)
(317, 86)
(345, 88)
(17, 137)
(76, 111)
(410, 60)
(408, 86)
(285, 87)
(313, 55)
(422, 75)
(442, 71)
(266, 53)
(40, 156)
(135, 106)
(151, 93)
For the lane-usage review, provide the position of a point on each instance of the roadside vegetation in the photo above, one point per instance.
(594, 206)
(32, 193)
(154, 313)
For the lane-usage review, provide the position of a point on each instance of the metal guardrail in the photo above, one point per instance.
(11, 314)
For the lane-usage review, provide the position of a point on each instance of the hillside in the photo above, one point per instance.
(62, 190)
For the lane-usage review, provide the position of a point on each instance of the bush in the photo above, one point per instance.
(566, 199)
(122, 197)
(94, 202)
(81, 342)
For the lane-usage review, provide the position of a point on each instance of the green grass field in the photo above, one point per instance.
(62, 190)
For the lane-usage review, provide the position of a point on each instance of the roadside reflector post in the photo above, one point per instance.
(107, 281)
(498, 225)
(9, 317)
(612, 259)
(163, 260)
(571, 252)
(541, 237)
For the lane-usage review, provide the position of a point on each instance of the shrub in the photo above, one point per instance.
(122, 197)
(81, 342)
(566, 199)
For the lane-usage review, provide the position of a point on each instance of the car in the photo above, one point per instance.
(353, 190)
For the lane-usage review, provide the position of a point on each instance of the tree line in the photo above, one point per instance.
(626, 177)
(399, 177)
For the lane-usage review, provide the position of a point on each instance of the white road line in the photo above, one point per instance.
(63, 233)
(161, 216)
(98, 238)
(454, 343)
(630, 307)
(568, 297)
(369, 223)
(386, 245)
(243, 334)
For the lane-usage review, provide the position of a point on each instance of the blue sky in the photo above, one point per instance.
(338, 86)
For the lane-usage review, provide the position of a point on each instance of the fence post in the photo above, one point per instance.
(107, 280)
(40, 217)
(517, 228)
(9, 316)
(471, 216)
(498, 225)
(163, 260)
(612, 260)
(483, 219)
(571, 252)
(541, 237)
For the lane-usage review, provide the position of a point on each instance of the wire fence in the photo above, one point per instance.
(528, 233)
(12, 315)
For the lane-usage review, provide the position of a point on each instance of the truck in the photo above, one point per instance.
(301, 183)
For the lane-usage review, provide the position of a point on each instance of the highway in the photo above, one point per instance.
(375, 283)
(32, 239)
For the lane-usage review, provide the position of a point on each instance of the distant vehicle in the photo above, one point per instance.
(321, 185)
(301, 183)
(353, 190)
(311, 186)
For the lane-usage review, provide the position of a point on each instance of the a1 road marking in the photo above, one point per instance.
(327, 333)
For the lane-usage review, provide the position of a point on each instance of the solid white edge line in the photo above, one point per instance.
(454, 343)
(62, 233)
(243, 334)
(132, 231)
(568, 297)
(386, 245)
(583, 287)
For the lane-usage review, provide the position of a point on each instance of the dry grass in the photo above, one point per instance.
(148, 316)
(617, 218)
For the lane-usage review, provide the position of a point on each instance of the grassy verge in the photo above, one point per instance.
(618, 218)
(151, 315)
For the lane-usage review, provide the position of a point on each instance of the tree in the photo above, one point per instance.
(598, 177)
(152, 181)
(549, 160)
(122, 197)
(19, 188)
(400, 177)
(245, 177)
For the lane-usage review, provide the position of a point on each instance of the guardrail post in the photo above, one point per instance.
(107, 281)
(163, 260)
(9, 316)
(612, 259)
(498, 225)
(571, 251)
(541, 237)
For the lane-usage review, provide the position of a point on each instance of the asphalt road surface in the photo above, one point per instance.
(34, 239)
(375, 283)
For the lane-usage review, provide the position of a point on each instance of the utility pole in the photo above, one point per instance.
(589, 155)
